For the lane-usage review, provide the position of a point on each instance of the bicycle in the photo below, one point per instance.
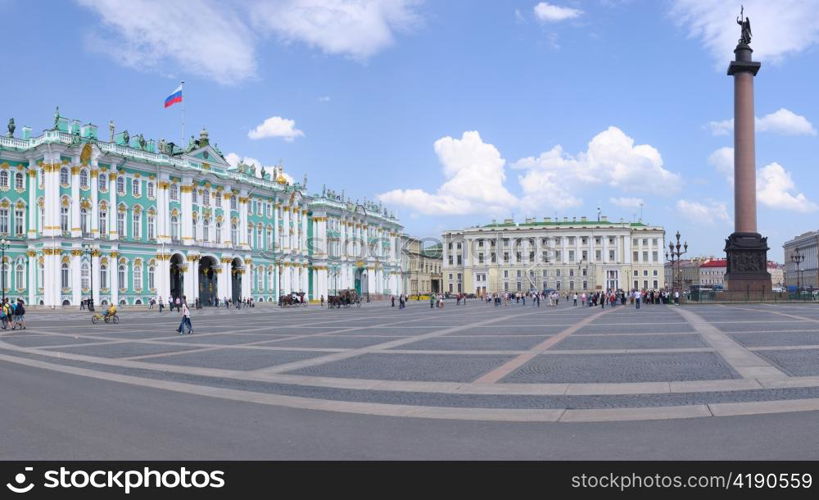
(97, 317)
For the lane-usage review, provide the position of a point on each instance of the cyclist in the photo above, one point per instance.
(111, 311)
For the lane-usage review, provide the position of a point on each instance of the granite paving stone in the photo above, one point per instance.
(666, 341)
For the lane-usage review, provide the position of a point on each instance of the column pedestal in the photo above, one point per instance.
(747, 271)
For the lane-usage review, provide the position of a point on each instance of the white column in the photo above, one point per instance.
(225, 285)
(190, 277)
(74, 220)
(195, 281)
(163, 217)
(163, 275)
(187, 211)
(304, 222)
(51, 199)
(243, 205)
(247, 278)
(76, 272)
(95, 276)
(93, 223)
(32, 275)
(114, 275)
(113, 210)
(32, 202)
(286, 228)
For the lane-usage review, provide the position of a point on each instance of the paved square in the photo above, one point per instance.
(669, 341)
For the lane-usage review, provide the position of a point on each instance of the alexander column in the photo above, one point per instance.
(746, 249)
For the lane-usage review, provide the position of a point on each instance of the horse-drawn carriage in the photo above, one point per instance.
(345, 298)
(292, 299)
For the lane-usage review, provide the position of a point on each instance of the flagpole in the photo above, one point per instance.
(181, 86)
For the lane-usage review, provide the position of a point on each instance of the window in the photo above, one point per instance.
(102, 182)
(194, 196)
(194, 228)
(4, 178)
(233, 203)
(480, 258)
(122, 279)
(636, 256)
(506, 257)
(655, 256)
(611, 255)
(84, 179)
(598, 255)
(63, 219)
(121, 223)
(84, 221)
(150, 227)
(645, 242)
(4, 220)
(584, 241)
(206, 197)
(121, 185)
(206, 229)
(571, 255)
(85, 276)
(645, 272)
(219, 201)
(219, 232)
(234, 233)
(64, 275)
(135, 188)
(151, 278)
(19, 182)
(150, 190)
(137, 229)
(138, 277)
(174, 192)
(557, 272)
(19, 227)
(505, 274)
(64, 179)
(19, 276)
(174, 227)
(645, 256)
(104, 276)
(557, 255)
(103, 223)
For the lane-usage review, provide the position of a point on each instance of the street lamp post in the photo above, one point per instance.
(89, 251)
(797, 258)
(4, 244)
(674, 254)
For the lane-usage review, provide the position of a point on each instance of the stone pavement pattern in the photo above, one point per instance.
(474, 362)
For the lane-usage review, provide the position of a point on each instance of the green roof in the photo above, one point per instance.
(567, 223)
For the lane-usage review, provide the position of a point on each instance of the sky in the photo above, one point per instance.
(453, 113)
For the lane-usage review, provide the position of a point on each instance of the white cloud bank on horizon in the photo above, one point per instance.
(475, 174)
(709, 212)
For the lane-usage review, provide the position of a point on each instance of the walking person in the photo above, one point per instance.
(19, 313)
(185, 324)
(178, 304)
(161, 304)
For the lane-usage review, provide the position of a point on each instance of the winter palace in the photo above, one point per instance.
(129, 219)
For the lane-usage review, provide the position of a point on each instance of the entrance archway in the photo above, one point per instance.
(236, 279)
(177, 276)
(361, 287)
(208, 280)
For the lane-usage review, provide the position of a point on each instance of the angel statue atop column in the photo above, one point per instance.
(745, 22)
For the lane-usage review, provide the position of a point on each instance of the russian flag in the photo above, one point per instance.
(175, 97)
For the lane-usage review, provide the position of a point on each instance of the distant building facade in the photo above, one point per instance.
(807, 245)
(568, 255)
(421, 267)
(710, 272)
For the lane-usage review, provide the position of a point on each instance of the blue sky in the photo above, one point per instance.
(453, 112)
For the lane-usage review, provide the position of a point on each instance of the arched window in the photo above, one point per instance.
(4, 178)
(121, 185)
(150, 226)
(85, 276)
(195, 228)
(20, 276)
(136, 189)
(218, 232)
(64, 179)
(174, 192)
(194, 195)
(19, 181)
(64, 219)
(64, 275)
(206, 197)
(233, 203)
(102, 182)
(137, 234)
(206, 230)
(103, 223)
(174, 227)
(234, 234)
(250, 235)
(121, 277)
(40, 275)
(150, 190)
(138, 277)
(84, 221)
(121, 223)
(84, 178)
(4, 221)
(151, 282)
(219, 199)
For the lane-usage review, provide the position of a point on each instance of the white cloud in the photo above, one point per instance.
(324, 98)
(786, 122)
(611, 158)
(475, 181)
(723, 160)
(707, 213)
(547, 12)
(354, 28)
(200, 37)
(775, 189)
(627, 202)
(780, 28)
(276, 126)
(782, 121)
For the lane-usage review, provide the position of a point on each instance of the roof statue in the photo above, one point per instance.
(111, 128)
(12, 127)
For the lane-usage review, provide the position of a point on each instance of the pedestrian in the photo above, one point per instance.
(392, 300)
(322, 301)
(185, 324)
(161, 304)
(178, 304)
(19, 313)
(574, 297)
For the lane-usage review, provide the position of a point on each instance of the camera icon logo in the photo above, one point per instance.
(20, 478)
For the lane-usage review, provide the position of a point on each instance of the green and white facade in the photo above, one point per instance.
(130, 219)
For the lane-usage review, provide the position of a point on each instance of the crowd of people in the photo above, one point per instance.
(176, 303)
(12, 314)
